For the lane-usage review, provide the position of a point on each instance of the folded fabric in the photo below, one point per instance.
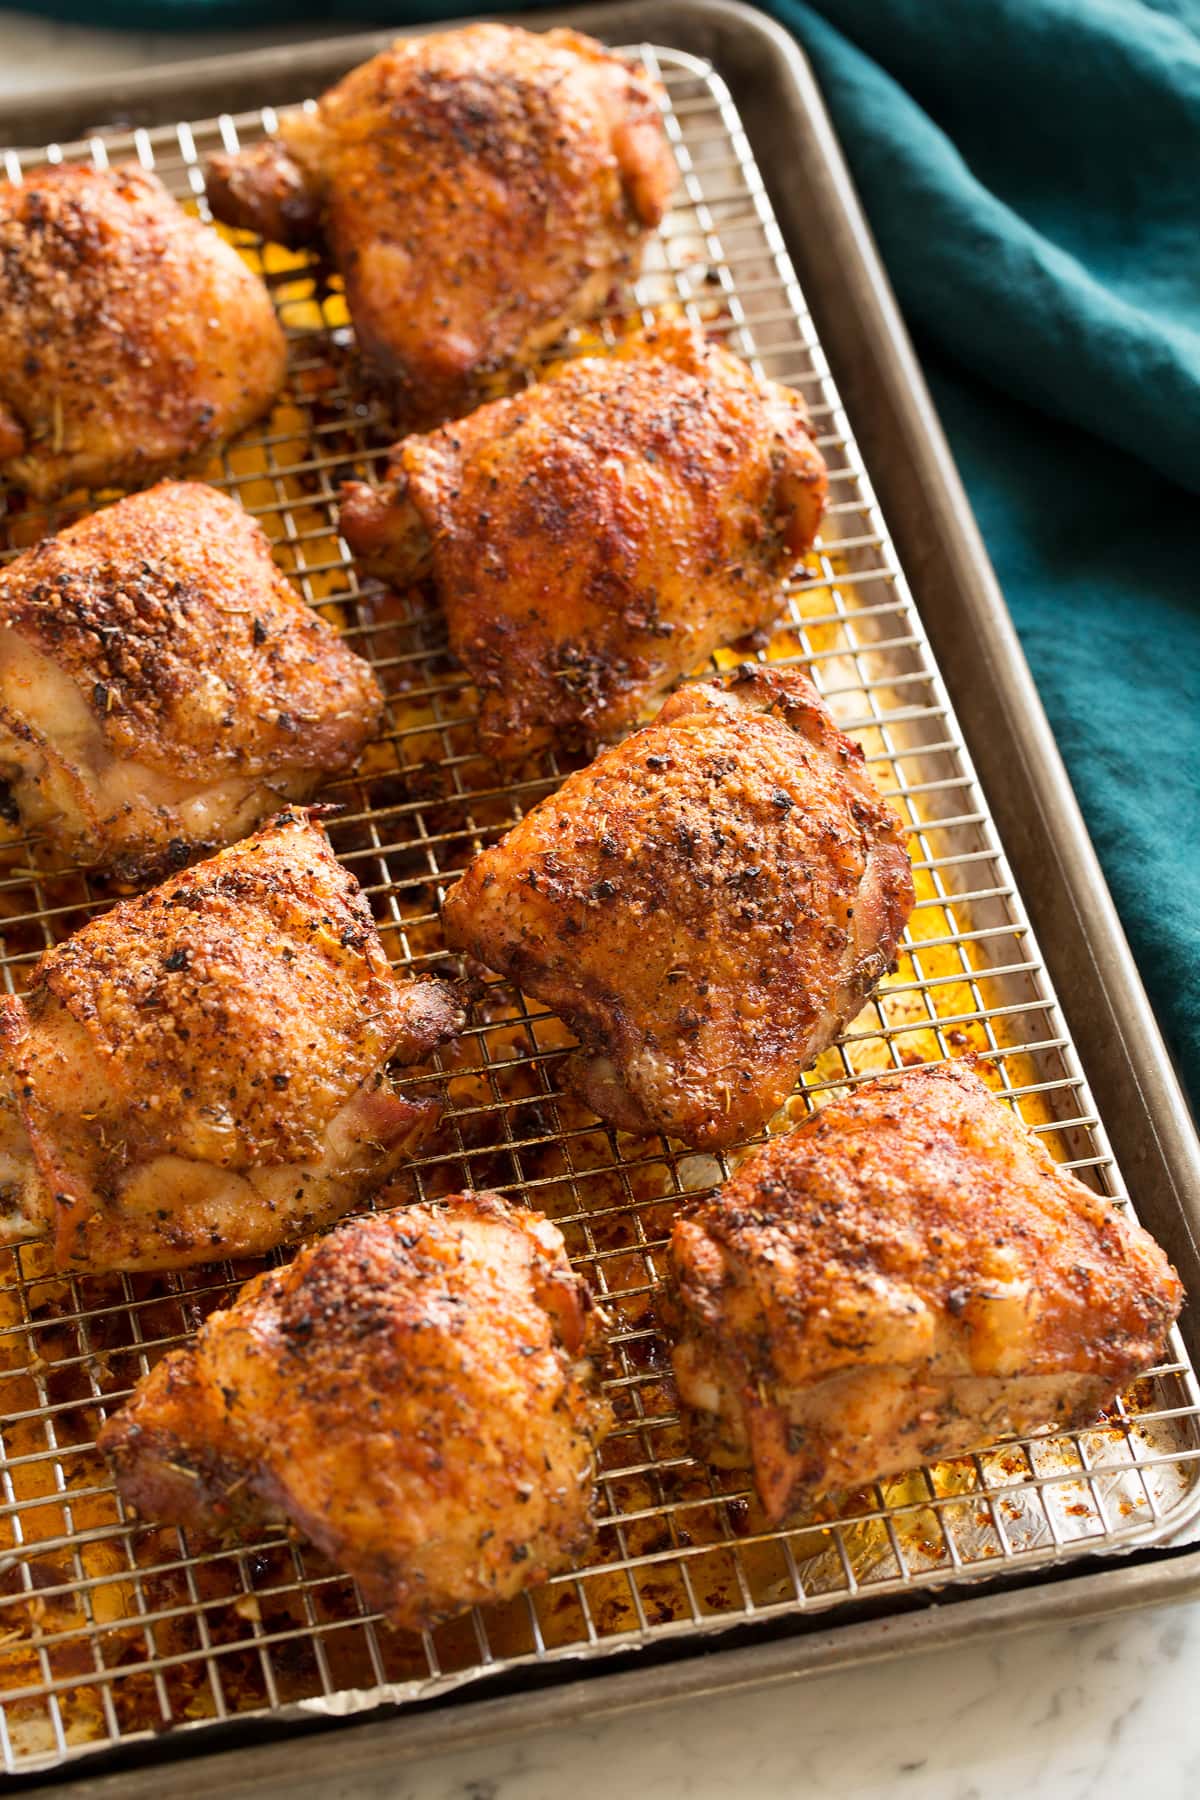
(1029, 168)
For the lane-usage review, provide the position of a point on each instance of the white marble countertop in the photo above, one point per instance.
(1100, 1710)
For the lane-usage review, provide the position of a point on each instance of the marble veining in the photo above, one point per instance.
(1084, 1713)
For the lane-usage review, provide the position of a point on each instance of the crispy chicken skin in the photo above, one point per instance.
(906, 1277)
(706, 906)
(413, 1394)
(478, 189)
(201, 1071)
(599, 535)
(162, 688)
(133, 340)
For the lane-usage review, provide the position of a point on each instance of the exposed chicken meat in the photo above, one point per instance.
(162, 688)
(200, 1072)
(706, 906)
(478, 189)
(413, 1393)
(599, 535)
(133, 340)
(906, 1277)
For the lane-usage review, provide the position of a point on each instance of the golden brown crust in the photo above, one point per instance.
(191, 657)
(599, 535)
(412, 1393)
(232, 1022)
(739, 844)
(910, 1254)
(264, 189)
(480, 189)
(133, 340)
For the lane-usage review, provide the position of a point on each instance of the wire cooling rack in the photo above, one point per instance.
(111, 1630)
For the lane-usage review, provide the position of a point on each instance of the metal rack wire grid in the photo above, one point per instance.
(112, 1630)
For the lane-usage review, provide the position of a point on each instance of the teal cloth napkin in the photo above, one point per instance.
(1031, 170)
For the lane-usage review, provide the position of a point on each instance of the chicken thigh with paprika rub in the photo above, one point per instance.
(601, 534)
(906, 1277)
(162, 688)
(201, 1072)
(134, 341)
(414, 1394)
(479, 191)
(706, 906)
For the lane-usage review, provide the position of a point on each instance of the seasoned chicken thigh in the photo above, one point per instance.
(907, 1277)
(413, 1394)
(133, 340)
(162, 688)
(599, 535)
(706, 906)
(200, 1072)
(478, 189)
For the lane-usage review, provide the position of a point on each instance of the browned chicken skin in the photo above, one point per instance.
(199, 1073)
(478, 189)
(413, 1394)
(162, 688)
(706, 906)
(133, 340)
(599, 535)
(907, 1277)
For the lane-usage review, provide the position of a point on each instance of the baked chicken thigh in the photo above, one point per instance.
(906, 1277)
(706, 906)
(413, 1393)
(200, 1072)
(133, 340)
(478, 189)
(162, 688)
(599, 535)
